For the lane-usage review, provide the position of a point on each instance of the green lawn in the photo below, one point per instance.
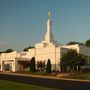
(8, 85)
(33, 73)
(85, 76)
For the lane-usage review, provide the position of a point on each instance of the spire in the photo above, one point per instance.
(49, 35)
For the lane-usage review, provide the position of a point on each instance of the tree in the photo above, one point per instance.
(41, 65)
(32, 65)
(24, 64)
(26, 49)
(87, 43)
(1, 52)
(81, 61)
(48, 67)
(71, 59)
(8, 50)
(74, 42)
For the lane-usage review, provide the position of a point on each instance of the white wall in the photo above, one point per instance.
(85, 50)
(75, 46)
(8, 56)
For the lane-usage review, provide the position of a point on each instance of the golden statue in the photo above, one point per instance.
(49, 14)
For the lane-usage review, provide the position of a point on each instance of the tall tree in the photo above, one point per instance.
(74, 42)
(87, 43)
(81, 61)
(32, 65)
(8, 50)
(48, 67)
(72, 59)
(41, 65)
(26, 49)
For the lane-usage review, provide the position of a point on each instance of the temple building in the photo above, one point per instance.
(46, 49)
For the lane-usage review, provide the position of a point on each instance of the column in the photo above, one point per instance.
(14, 66)
(2, 65)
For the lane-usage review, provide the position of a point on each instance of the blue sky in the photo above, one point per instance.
(23, 22)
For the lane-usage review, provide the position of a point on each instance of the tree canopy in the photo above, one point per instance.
(71, 59)
(48, 67)
(87, 43)
(8, 50)
(32, 65)
(41, 65)
(26, 49)
(74, 42)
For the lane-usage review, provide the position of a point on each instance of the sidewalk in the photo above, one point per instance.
(41, 76)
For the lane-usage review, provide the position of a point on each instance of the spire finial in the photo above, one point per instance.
(49, 14)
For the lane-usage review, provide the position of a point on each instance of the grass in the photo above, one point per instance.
(8, 85)
(75, 75)
(84, 76)
(38, 73)
(33, 73)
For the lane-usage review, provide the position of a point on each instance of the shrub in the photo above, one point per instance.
(48, 67)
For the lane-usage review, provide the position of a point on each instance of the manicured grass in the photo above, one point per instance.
(8, 85)
(38, 73)
(33, 73)
(85, 76)
(75, 75)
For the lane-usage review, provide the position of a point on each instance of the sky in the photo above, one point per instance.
(23, 22)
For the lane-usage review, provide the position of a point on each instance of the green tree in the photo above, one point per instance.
(41, 65)
(26, 49)
(8, 50)
(32, 65)
(81, 61)
(74, 42)
(48, 67)
(87, 43)
(24, 65)
(1, 52)
(71, 59)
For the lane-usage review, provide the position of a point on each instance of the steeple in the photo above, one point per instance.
(49, 35)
